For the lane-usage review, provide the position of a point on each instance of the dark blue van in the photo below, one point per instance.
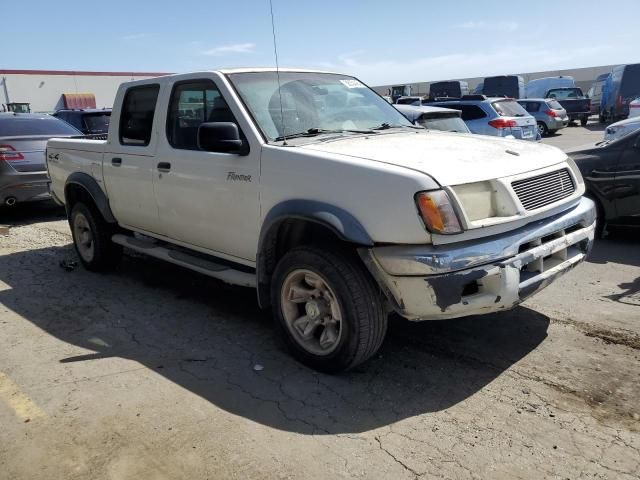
(511, 86)
(596, 94)
(449, 89)
(621, 87)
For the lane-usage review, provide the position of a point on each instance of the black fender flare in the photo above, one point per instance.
(342, 223)
(91, 186)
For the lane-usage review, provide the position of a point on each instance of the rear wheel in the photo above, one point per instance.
(583, 121)
(542, 129)
(92, 238)
(328, 309)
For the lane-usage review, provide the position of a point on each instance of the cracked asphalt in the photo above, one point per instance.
(150, 372)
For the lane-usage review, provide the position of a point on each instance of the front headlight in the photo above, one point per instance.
(437, 212)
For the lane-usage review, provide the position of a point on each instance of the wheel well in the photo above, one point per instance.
(284, 236)
(75, 193)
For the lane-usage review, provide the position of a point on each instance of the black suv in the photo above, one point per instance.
(90, 121)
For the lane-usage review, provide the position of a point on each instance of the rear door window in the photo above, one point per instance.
(509, 108)
(136, 119)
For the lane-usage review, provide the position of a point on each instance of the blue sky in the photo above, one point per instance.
(381, 42)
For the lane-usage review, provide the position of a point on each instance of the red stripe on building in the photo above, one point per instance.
(83, 73)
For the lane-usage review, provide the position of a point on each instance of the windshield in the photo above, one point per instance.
(311, 101)
(97, 122)
(509, 108)
(565, 93)
(451, 123)
(20, 126)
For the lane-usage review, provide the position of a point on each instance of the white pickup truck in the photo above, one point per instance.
(313, 189)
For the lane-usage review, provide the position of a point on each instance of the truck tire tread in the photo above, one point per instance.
(356, 288)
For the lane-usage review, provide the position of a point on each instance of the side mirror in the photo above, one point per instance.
(223, 137)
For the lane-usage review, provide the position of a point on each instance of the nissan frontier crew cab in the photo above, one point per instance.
(314, 190)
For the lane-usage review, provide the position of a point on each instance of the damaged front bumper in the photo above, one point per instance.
(425, 282)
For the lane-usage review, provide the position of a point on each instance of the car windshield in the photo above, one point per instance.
(554, 105)
(565, 93)
(97, 122)
(509, 108)
(314, 103)
(14, 126)
(452, 123)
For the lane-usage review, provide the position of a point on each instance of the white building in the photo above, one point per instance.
(43, 89)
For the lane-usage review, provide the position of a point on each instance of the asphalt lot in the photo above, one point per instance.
(150, 373)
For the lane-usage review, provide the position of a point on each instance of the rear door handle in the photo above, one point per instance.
(164, 166)
(116, 162)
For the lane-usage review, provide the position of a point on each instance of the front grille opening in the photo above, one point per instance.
(573, 228)
(542, 190)
(470, 288)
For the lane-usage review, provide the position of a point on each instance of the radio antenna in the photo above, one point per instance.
(275, 52)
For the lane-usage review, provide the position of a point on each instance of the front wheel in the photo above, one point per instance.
(328, 309)
(92, 238)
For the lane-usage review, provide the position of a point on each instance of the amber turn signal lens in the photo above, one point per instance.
(437, 212)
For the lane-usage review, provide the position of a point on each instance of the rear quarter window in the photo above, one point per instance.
(554, 105)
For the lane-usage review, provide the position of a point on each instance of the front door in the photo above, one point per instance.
(206, 199)
(128, 160)
(627, 182)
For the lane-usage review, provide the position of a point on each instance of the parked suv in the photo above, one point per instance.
(88, 121)
(548, 113)
(499, 117)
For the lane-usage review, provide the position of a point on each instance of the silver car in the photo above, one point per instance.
(621, 129)
(23, 139)
(549, 114)
(435, 118)
(499, 116)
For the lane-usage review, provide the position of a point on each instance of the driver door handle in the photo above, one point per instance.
(164, 166)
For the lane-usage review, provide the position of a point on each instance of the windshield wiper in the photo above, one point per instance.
(312, 132)
(387, 126)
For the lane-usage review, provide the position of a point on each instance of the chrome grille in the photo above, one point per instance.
(542, 190)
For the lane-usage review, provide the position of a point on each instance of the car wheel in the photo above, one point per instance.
(583, 121)
(92, 238)
(328, 309)
(542, 129)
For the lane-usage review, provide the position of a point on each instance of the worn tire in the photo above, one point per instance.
(364, 320)
(105, 253)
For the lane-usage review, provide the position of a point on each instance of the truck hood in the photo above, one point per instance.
(449, 158)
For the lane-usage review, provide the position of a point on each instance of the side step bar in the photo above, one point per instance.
(205, 266)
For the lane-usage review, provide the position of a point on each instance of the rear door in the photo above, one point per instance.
(128, 163)
(627, 182)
